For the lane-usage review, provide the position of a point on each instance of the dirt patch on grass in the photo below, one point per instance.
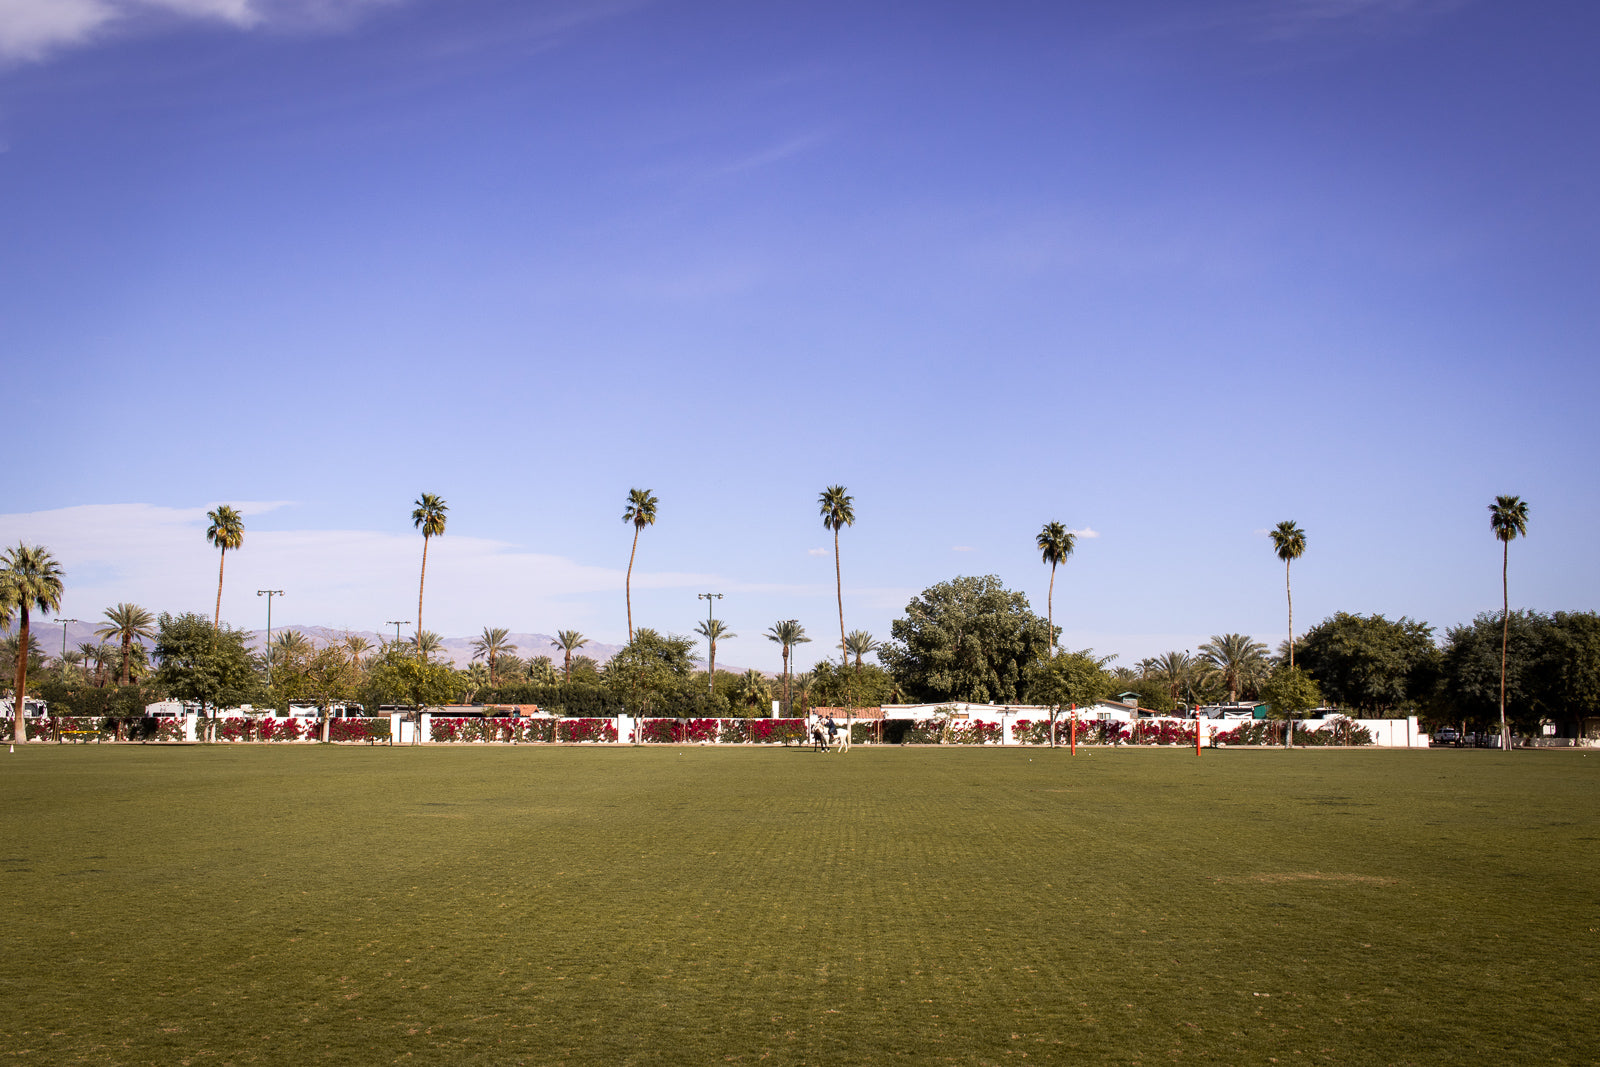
(1283, 877)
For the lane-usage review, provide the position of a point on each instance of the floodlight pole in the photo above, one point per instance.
(397, 623)
(709, 598)
(63, 624)
(269, 594)
(1074, 751)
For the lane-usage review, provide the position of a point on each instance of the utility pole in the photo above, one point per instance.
(269, 594)
(397, 623)
(709, 598)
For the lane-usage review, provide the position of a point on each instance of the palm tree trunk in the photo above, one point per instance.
(711, 668)
(786, 704)
(127, 649)
(221, 563)
(1505, 635)
(567, 665)
(838, 579)
(628, 585)
(1050, 616)
(421, 582)
(1289, 592)
(19, 726)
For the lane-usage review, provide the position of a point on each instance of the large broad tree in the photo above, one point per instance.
(127, 623)
(966, 639)
(1237, 660)
(649, 669)
(1289, 542)
(225, 532)
(1056, 543)
(713, 630)
(30, 580)
(641, 511)
(1371, 665)
(838, 511)
(1508, 518)
(206, 664)
(568, 641)
(429, 517)
(1567, 674)
(1470, 691)
(787, 633)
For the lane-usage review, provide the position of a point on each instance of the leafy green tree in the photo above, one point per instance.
(1239, 662)
(1069, 679)
(490, 644)
(787, 633)
(206, 664)
(30, 580)
(838, 511)
(226, 531)
(649, 668)
(967, 639)
(1566, 676)
(1289, 541)
(641, 511)
(429, 516)
(1291, 692)
(1369, 664)
(127, 623)
(1508, 518)
(834, 685)
(1056, 543)
(399, 677)
(714, 630)
(569, 641)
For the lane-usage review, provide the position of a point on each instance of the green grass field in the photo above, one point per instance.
(309, 904)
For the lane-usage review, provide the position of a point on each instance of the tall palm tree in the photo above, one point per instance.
(714, 630)
(788, 633)
(429, 517)
(126, 623)
(1237, 659)
(1508, 517)
(641, 511)
(491, 644)
(860, 643)
(226, 531)
(30, 580)
(568, 641)
(838, 511)
(1290, 543)
(1056, 543)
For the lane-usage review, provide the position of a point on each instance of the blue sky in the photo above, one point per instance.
(1167, 272)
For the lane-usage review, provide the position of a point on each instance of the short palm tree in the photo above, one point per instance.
(1056, 543)
(788, 633)
(287, 647)
(754, 689)
(860, 643)
(429, 517)
(1173, 668)
(426, 642)
(355, 647)
(226, 531)
(641, 511)
(1237, 659)
(30, 580)
(838, 511)
(1289, 541)
(87, 651)
(568, 641)
(491, 644)
(714, 630)
(127, 623)
(802, 690)
(1508, 517)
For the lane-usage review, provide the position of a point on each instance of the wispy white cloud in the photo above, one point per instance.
(158, 557)
(1298, 18)
(1087, 531)
(817, 552)
(961, 548)
(34, 29)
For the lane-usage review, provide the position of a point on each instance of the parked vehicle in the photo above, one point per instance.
(1444, 737)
